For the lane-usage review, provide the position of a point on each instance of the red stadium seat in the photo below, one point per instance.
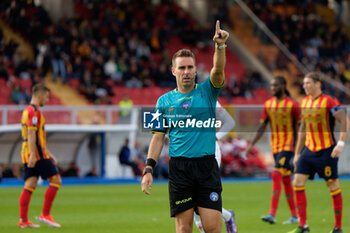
(2, 82)
(75, 83)
(3, 100)
(5, 91)
(26, 83)
(239, 100)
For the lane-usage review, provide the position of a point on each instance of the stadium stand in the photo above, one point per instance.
(102, 48)
(308, 30)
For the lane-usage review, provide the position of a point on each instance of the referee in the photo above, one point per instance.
(194, 177)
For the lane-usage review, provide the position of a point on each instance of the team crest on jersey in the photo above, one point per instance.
(185, 105)
(214, 196)
(34, 121)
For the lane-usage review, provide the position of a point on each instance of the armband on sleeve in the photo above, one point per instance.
(335, 109)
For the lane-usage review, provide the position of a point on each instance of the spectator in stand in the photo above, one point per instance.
(57, 59)
(110, 69)
(74, 48)
(190, 35)
(131, 77)
(10, 49)
(12, 13)
(27, 94)
(122, 66)
(7, 172)
(87, 86)
(155, 43)
(37, 78)
(78, 68)
(133, 43)
(163, 76)
(84, 49)
(339, 8)
(72, 170)
(85, 31)
(124, 158)
(235, 86)
(247, 87)
(43, 55)
(143, 51)
(17, 95)
(3, 71)
(145, 77)
(103, 48)
(122, 46)
(102, 91)
(98, 63)
(256, 79)
(125, 106)
(21, 23)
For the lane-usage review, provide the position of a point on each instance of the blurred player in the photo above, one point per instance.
(283, 114)
(37, 159)
(228, 125)
(194, 175)
(317, 150)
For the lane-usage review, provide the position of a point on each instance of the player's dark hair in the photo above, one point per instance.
(314, 76)
(182, 53)
(39, 88)
(283, 82)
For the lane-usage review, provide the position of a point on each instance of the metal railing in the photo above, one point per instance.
(58, 114)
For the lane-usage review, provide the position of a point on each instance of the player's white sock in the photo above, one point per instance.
(197, 221)
(226, 215)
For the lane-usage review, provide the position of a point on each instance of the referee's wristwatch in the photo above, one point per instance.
(147, 170)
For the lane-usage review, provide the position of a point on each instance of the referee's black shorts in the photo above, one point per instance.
(194, 182)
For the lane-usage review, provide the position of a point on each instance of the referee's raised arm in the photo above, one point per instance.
(217, 74)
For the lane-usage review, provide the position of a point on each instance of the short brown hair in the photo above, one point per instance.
(315, 76)
(182, 53)
(39, 88)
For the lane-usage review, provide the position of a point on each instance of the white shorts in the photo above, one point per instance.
(217, 153)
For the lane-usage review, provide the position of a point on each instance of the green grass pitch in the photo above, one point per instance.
(124, 208)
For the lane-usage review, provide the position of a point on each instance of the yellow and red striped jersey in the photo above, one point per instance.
(283, 116)
(32, 118)
(319, 121)
(336, 101)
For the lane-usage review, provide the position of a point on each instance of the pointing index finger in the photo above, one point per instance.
(217, 26)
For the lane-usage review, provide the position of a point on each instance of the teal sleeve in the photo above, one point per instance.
(212, 91)
(159, 107)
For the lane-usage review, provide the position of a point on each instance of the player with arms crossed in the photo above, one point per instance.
(317, 150)
(37, 159)
(194, 176)
(228, 124)
(283, 114)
